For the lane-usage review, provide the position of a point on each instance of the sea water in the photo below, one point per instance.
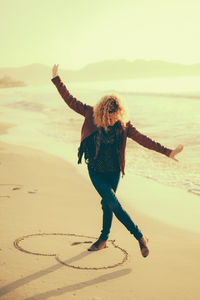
(166, 110)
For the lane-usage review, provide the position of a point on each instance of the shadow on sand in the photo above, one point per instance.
(20, 282)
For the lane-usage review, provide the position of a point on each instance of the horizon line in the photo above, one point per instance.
(101, 61)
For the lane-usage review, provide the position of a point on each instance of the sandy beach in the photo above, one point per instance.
(52, 213)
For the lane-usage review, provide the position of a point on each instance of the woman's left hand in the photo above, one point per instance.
(55, 70)
(175, 152)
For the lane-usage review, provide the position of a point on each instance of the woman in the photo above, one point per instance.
(103, 142)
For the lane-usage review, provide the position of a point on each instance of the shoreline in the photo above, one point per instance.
(164, 209)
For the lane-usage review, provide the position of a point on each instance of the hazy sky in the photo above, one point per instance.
(74, 33)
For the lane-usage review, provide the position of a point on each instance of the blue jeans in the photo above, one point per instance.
(106, 185)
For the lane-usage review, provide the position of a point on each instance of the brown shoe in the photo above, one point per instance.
(143, 246)
(98, 245)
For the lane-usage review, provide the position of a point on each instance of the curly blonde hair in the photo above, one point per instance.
(110, 105)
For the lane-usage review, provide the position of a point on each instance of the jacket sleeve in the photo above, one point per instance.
(146, 141)
(71, 101)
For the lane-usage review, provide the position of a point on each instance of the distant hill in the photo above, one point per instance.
(104, 70)
(31, 74)
(8, 82)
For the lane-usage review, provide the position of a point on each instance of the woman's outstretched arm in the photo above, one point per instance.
(71, 101)
(150, 144)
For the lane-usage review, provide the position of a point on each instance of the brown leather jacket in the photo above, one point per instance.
(89, 127)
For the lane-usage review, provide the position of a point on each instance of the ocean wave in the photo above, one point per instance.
(194, 191)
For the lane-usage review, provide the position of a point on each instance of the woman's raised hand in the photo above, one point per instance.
(175, 152)
(55, 71)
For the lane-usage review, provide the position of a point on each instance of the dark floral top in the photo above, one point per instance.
(102, 149)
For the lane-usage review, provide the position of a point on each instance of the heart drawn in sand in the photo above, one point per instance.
(71, 250)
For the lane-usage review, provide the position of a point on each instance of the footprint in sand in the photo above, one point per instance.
(32, 192)
(7, 187)
(16, 188)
